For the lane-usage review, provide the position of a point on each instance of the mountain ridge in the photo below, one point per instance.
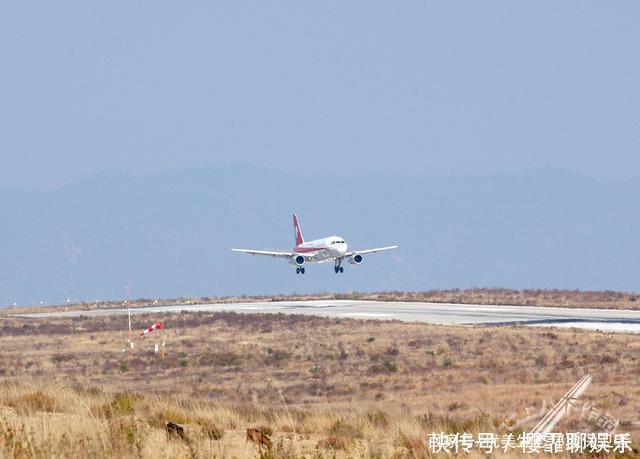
(166, 234)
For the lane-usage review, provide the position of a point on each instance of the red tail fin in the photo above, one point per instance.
(297, 232)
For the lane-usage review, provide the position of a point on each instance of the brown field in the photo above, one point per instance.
(498, 296)
(322, 387)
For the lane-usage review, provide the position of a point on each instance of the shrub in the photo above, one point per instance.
(415, 446)
(59, 358)
(392, 351)
(280, 355)
(541, 361)
(123, 404)
(341, 435)
(390, 365)
(378, 418)
(34, 401)
(159, 419)
(212, 431)
(125, 433)
(276, 357)
(443, 423)
(456, 406)
(222, 359)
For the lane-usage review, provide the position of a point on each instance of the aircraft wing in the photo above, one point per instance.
(268, 253)
(364, 252)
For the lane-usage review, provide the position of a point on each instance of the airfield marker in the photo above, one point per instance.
(129, 308)
(156, 326)
(564, 405)
(130, 341)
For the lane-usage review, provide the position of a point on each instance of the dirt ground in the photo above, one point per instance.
(321, 387)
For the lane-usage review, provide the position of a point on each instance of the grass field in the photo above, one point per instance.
(321, 387)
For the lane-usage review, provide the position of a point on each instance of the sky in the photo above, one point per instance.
(401, 88)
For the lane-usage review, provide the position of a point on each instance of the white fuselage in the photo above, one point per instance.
(322, 250)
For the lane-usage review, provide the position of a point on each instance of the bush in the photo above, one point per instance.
(392, 351)
(125, 434)
(341, 436)
(443, 423)
(388, 366)
(541, 361)
(391, 366)
(59, 358)
(123, 404)
(280, 355)
(212, 431)
(415, 446)
(378, 418)
(222, 359)
(159, 419)
(276, 357)
(32, 402)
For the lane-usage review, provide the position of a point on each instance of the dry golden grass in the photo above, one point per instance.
(324, 387)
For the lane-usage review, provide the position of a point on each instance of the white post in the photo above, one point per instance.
(129, 307)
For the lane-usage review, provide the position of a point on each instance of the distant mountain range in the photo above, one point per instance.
(168, 234)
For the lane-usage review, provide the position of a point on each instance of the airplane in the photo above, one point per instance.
(325, 250)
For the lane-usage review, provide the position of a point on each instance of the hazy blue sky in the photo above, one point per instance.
(407, 87)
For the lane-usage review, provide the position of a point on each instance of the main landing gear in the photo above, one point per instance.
(299, 270)
(337, 268)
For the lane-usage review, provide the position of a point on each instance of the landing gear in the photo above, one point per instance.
(299, 270)
(337, 268)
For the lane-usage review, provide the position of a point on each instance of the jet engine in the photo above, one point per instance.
(355, 259)
(298, 260)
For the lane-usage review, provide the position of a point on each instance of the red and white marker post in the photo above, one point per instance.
(156, 326)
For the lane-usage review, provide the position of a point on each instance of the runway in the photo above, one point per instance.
(432, 313)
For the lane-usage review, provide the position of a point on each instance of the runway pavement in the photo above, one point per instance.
(433, 313)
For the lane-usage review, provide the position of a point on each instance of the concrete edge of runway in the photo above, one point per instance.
(431, 313)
